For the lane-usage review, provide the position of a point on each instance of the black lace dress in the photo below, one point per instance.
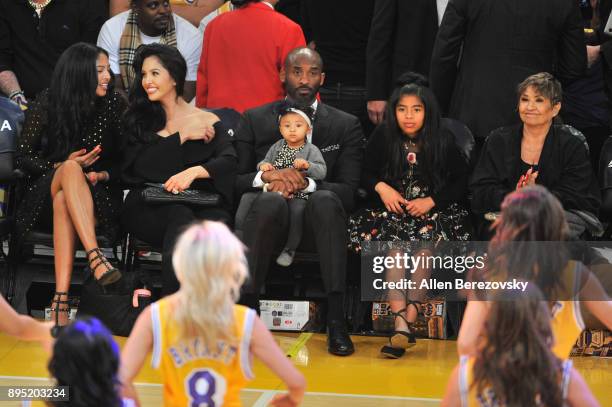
(35, 209)
(447, 221)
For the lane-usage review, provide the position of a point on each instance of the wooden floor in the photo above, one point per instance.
(363, 379)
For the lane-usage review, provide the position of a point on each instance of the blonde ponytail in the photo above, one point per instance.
(210, 264)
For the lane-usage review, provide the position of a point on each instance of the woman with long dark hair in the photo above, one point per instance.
(514, 365)
(70, 150)
(176, 145)
(419, 180)
(86, 359)
(529, 245)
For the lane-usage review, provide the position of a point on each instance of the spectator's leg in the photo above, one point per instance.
(143, 221)
(296, 221)
(64, 237)
(178, 217)
(158, 225)
(244, 207)
(327, 220)
(69, 179)
(216, 214)
(294, 235)
(326, 216)
(264, 228)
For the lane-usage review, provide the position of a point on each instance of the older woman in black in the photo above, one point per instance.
(70, 150)
(174, 144)
(538, 151)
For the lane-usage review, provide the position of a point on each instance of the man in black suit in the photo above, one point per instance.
(484, 49)
(401, 39)
(264, 220)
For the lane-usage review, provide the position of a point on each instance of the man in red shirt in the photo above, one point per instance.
(242, 55)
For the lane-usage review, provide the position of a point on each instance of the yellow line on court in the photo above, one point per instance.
(299, 344)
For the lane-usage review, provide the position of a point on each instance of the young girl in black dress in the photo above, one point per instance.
(418, 179)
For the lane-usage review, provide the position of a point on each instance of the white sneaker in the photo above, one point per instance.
(285, 258)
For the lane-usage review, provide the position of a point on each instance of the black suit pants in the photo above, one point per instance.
(161, 225)
(265, 228)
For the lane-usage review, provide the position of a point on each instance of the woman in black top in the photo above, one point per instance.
(175, 144)
(419, 180)
(70, 150)
(537, 151)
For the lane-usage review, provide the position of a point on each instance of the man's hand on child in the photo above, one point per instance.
(289, 176)
(301, 164)
(281, 187)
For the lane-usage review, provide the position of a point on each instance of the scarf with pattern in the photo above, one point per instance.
(130, 41)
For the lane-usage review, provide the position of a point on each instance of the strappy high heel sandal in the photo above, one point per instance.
(111, 274)
(399, 341)
(59, 306)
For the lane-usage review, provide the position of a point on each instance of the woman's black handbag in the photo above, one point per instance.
(155, 194)
(117, 305)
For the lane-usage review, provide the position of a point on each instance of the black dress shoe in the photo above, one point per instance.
(338, 340)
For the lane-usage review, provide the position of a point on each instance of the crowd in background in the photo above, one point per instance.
(315, 125)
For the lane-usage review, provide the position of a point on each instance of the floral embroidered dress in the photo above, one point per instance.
(446, 223)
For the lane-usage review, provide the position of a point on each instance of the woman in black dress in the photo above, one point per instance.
(70, 151)
(418, 179)
(175, 144)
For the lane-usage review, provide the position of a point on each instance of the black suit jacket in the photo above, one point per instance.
(401, 39)
(337, 134)
(485, 48)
